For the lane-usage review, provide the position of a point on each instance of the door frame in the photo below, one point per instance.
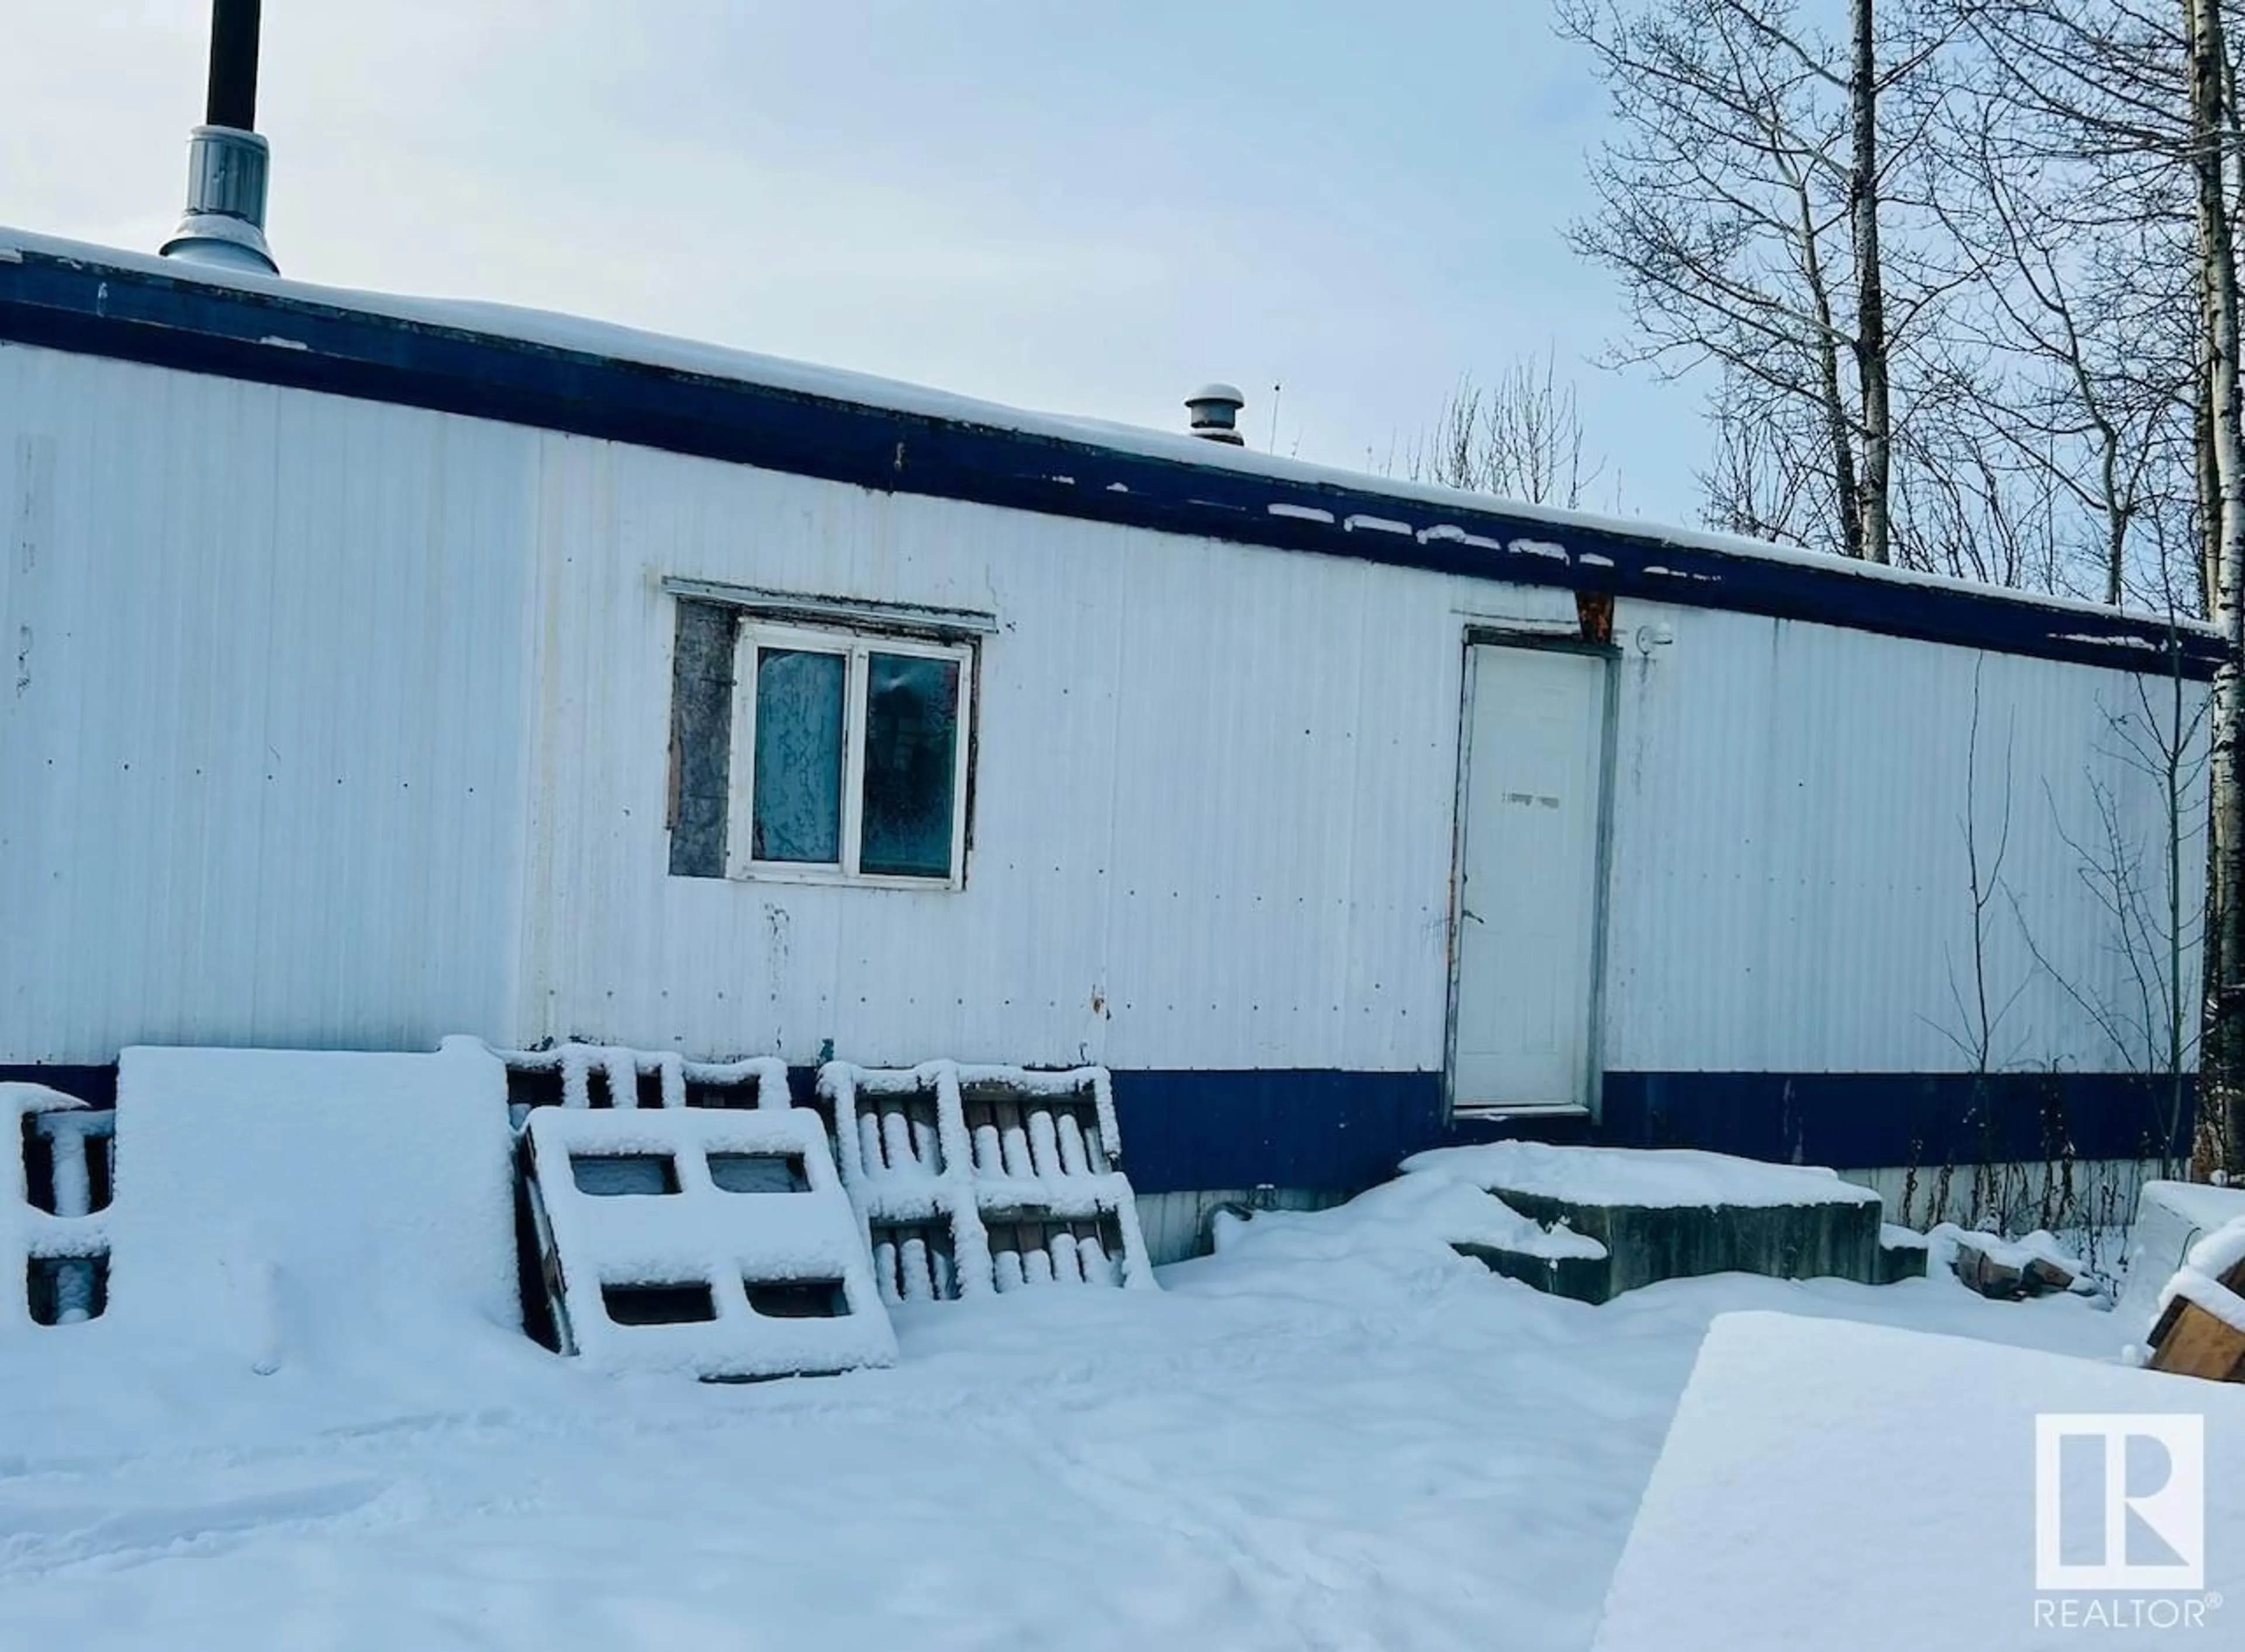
(1477, 637)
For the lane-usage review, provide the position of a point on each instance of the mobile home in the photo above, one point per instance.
(383, 670)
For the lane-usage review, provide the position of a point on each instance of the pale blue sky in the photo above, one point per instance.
(1089, 209)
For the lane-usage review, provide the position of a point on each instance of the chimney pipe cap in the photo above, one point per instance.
(1215, 410)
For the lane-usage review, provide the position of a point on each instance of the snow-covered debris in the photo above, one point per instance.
(2007, 1269)
(280, 1205)
(714, 1242)
(1016, 1187)
(2220, 1251)
(2171, 1218)
(1653, 1178)
(1856, 1489)
(2206, 1277)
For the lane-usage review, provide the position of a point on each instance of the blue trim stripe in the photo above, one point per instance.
(1348, 1130)
(135, 314)
(1330, 1129)
(1288, 1129)
(1854, 1121)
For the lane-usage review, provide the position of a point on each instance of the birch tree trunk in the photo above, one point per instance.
(1870, 340)
(2223, 1113)
(1847, 483)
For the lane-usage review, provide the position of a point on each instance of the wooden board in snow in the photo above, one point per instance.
(2201, 1325)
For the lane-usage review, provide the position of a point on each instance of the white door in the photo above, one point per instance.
(1530, 877)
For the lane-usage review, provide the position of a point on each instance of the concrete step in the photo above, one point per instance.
(1664, 1214)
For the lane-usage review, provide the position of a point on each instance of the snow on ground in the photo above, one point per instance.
(1333, 1434)
(1408, 1219)
(1856, 1488)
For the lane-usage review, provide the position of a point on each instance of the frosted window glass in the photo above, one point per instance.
(798, 778)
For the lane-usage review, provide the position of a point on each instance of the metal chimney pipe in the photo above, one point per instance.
(233, 100)
(227, 160)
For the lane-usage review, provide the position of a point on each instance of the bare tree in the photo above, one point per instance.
(1964, 276)
(1520, 438)
(2140, 85)
(1981, 1006)
(1872, 378)
(2068, 358)
(1943, 328)
(1742, 209)
(2152, 1020)
(1763, 478)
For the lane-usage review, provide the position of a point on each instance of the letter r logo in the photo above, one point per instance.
(2130, 1517)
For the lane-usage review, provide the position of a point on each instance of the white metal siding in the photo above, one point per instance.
(341, 724)
(1791, 886)
(261, 741)
(1211, 811)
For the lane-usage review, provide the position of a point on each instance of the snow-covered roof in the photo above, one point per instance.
(594, 378)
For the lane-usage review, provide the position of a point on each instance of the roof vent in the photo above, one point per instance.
(1215, 410)
(227, 160)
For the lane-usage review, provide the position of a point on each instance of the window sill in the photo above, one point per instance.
(835, 877)
(1496, 1112)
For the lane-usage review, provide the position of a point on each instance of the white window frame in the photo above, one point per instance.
(858, 648)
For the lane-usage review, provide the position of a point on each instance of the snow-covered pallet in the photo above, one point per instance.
(715, 1242)
(610, 1075)
(975, 1178)
(54, 1233)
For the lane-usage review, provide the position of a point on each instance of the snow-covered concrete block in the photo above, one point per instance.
(971, 1178)
(1671, 1214)
(1852, 1488)
(57, 1256)
(2170, 1218)
(283, 1203)
(1903, 1253)
(714, 1242)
